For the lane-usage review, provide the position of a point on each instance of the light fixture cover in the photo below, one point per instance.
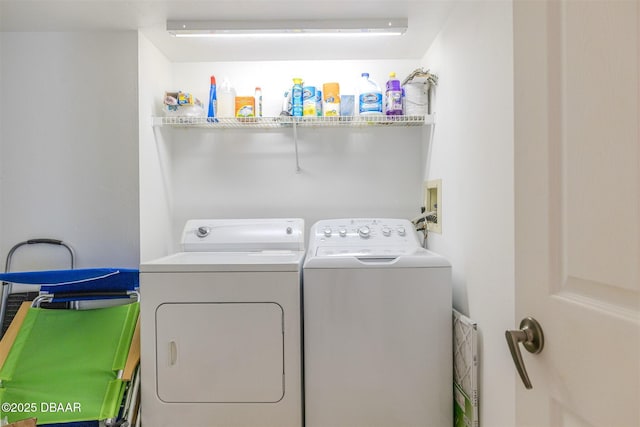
(340, 26)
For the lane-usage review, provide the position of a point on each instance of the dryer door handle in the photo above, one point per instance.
(173, 353)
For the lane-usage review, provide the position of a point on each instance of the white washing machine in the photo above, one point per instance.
(377, 327)
(221, 327)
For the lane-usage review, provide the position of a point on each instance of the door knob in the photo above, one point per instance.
(531, 336)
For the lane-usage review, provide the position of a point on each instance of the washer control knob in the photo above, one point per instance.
(327, 231)
(203, 232)
(364, 232)
(343, 232)
(401, 231)
(386, 231)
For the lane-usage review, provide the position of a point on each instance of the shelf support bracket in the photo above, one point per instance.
(295, 144)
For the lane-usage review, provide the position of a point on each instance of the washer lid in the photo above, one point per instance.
(243, 235)
(226, 261)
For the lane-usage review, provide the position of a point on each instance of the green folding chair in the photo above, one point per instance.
(66, 366)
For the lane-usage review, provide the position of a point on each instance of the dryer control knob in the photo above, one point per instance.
(327, 231)
(386, 231)
(401, 231)
(343, 232)
(203, 232)
(364, 232)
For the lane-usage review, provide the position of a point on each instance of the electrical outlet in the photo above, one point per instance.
(433, 203)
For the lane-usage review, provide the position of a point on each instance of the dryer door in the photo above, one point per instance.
(220, 352)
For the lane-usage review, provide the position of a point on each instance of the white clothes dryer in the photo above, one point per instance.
(377, 327)
(221, 327)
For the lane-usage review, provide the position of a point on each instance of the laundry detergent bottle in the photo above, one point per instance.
(296, 98)
(211, 114)
(393, 96)
(226, 99)
(369, 97)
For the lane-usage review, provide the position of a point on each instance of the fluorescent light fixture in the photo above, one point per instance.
(394, 26)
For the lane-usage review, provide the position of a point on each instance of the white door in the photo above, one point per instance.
(577, 207)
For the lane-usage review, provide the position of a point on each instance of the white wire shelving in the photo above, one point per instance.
(293, 123)
(288, 121)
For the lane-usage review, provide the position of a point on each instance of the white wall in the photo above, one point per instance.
(472, 153)
(346, 172)
(155, 161)
(69, 166)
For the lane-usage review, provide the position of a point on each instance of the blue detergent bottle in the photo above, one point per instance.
(213, 100)
(369, 97)
(296, 97)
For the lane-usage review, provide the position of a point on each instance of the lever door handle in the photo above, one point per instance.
(531, 336)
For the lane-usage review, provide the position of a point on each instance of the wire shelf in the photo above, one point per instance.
(292, 123)
(288, 121)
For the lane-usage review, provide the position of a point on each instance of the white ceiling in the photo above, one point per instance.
(426, 18)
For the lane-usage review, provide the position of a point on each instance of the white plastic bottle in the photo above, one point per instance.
(369, 97)
(258, 97)
(226, 99)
